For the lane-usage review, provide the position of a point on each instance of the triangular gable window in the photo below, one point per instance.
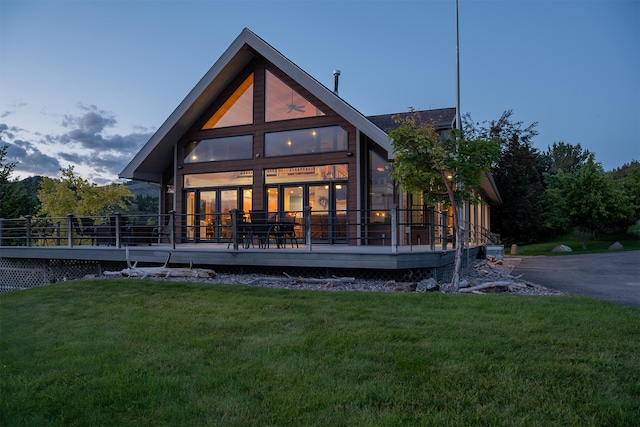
(284, 103)
(237, 109)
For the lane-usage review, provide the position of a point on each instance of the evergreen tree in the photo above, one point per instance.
(14, 199)
(518, 176)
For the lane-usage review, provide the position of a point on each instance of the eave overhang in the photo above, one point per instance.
(490, 190)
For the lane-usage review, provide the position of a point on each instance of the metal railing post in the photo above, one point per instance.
(70, 230)
(172, 218)
(432, 228)
(306, 216)
(444, 230)
(118, 217)
(1, 230)
(28, 229)
(234, 228)
(394, 228)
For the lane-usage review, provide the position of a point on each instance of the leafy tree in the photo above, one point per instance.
(14, 200)
(589, 199)
(566, 157)
(73, 194)
(443, 169)
(629, 177)
(518, 176)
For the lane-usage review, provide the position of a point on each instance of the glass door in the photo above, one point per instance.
(207, 215)
(207, 212)
(339, 213)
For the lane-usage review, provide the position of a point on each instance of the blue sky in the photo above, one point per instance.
(86, 83)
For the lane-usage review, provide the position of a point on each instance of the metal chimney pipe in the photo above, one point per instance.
(336, 76)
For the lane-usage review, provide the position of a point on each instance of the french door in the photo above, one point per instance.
(208, 218)
(328, 208)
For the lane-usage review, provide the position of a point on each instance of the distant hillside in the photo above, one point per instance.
(141, 188)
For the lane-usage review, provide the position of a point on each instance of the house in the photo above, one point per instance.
(257, 133)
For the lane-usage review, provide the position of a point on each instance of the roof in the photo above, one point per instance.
(151, 160)
(443, 118)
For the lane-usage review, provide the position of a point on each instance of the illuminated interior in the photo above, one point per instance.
(220, 179)
(284, 103)
(305, 141)
(306, 174)
(219, 149)
(237, 109)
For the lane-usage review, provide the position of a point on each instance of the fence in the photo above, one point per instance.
(394, 228)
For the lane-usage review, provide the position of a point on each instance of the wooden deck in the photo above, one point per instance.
(211, 254)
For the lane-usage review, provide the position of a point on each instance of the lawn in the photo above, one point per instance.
(154, 353)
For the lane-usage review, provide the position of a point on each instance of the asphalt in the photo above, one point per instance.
(611, 276)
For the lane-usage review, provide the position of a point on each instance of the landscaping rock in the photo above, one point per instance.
(617, 246)
(428, 285)
(562, 248)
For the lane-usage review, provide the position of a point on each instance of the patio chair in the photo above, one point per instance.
(84, 228)
(261, 228)
(287, 229)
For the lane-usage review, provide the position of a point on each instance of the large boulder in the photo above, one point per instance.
(562, 248)
(617, 246)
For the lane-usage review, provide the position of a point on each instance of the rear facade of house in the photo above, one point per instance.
(257, 133)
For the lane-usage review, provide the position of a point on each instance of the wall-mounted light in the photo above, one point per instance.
(257, 154)
(349, 154)
(180, 166)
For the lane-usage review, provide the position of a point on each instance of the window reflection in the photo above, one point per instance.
(219, 149)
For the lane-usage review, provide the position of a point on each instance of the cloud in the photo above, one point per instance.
(83, 143)
(28, 159)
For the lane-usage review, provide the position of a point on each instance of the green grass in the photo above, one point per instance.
(153, 353)
(630, 240)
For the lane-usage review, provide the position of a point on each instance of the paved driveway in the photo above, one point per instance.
(612, 276)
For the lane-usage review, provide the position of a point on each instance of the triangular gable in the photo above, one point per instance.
(148, 164)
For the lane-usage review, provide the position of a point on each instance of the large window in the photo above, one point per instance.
(284, 103)
(219, 179)
(380, 188)
(307, 174)
(305, 141)
(219, 149)
(237, 109)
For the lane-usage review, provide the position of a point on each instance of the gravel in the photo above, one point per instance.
(480, 272)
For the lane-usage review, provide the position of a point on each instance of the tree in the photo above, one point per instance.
(629, 177)
(566, 157)
(14, 200)
(589, 200)
(73, 194)
(518, 176)
(444, 169)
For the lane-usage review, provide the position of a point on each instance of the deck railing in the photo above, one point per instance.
(392, 227)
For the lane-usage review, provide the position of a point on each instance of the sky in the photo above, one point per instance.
(86, 83)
